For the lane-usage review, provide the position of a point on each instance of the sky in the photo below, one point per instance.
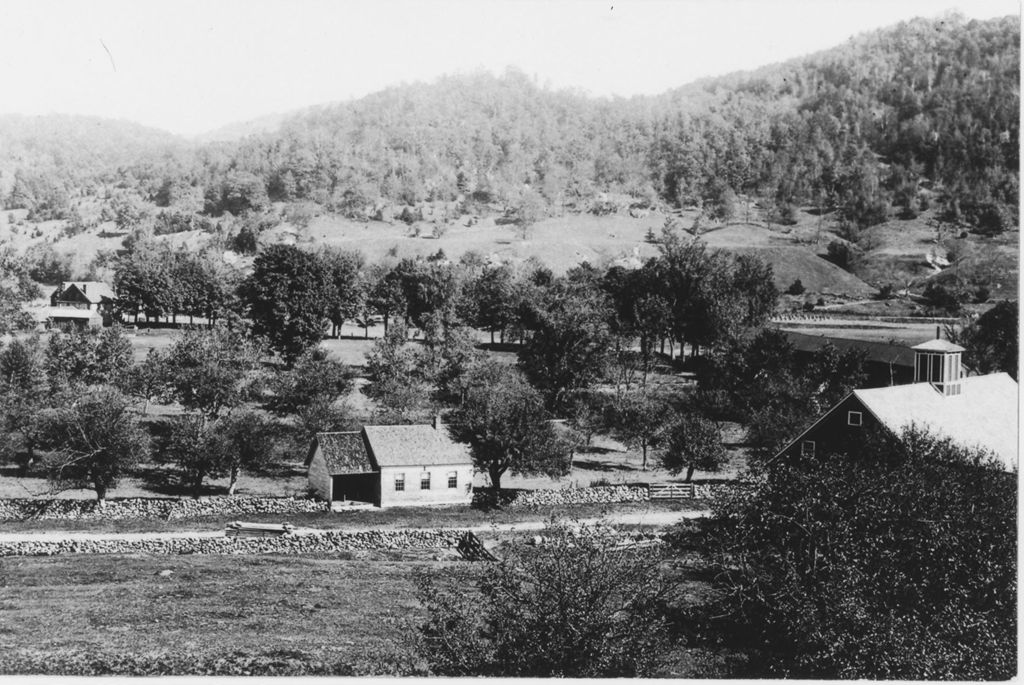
(190, 66)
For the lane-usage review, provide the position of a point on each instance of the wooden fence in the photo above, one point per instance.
(671, 491)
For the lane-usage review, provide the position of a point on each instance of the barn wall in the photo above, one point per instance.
(319, 477)
(833, 433)
(439, 492)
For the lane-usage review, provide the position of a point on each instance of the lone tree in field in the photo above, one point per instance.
(95, 440)
(693, 443)
(506, 426)
(575, 607)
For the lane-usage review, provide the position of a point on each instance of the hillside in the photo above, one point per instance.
(865, 142)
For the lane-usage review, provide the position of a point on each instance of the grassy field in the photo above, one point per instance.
(355, 613)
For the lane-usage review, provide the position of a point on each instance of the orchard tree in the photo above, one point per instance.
(86, 356)
(640, 421)
(507, 428)
(207, 370)
(314, 375)
(192, 447)
(246, 441)
(693, 443)
(95, 439)
(289, 297)
(24, 391)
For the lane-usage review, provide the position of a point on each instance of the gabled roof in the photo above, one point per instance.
(938, 345)
(418, 445)
(884, 353)
(984, 415)
(343, 452)
(93, 291)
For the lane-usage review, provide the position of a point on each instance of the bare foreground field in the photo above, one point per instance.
(349, 614)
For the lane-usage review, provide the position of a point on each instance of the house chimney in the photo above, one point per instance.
(937, 335)
(85, 288)
(437, 421)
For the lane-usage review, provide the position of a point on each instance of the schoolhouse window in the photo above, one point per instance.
(807, 448)
(453, 479)
(399, 482)
(425, 481)
(854, 418)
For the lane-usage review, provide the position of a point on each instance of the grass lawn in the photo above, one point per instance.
(356, 610)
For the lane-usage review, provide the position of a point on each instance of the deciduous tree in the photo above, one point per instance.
(506, 426)
(95, 440)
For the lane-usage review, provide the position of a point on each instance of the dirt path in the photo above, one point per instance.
(658, 519)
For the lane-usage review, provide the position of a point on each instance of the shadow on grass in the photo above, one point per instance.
(163, 481)
(586, 465)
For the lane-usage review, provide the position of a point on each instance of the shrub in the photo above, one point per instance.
(796, 288)
(948, 298)
(916, 581)
(574, 607)
(842, 254)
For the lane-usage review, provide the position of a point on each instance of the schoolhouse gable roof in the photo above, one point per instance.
(416, 445)
(343, 452)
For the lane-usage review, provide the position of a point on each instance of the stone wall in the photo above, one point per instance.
(325, 542)
(531, 498)
(142, 508)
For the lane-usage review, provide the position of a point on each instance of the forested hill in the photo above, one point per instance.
(79, 145)
(870, 127)
(45, 160)
(888, 123)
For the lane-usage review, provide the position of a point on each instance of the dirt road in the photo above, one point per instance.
(658, 519)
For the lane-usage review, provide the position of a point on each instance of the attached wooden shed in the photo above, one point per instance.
(391, 466)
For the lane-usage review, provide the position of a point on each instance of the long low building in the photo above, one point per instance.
(885, 364)
(391, 466)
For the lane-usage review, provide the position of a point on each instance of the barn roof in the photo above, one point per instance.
(983, 416)
(417, 445)
(93, 291)
(343, 452)
(879, 352)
